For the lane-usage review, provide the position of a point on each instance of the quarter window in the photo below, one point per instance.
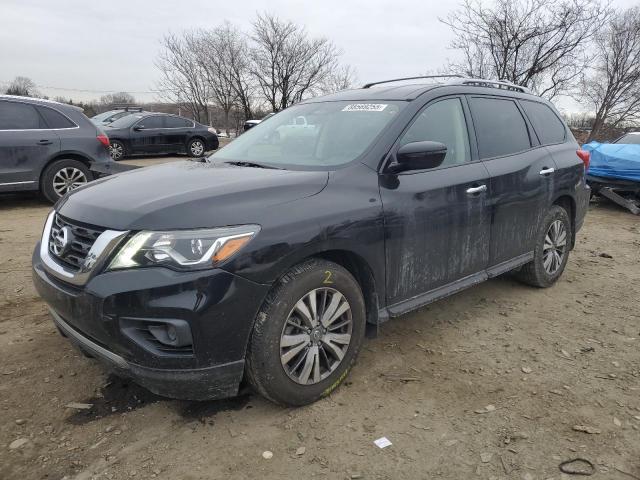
(55, 119)
(442, 122)
(19, 116)
(500, 127)
(547, 125)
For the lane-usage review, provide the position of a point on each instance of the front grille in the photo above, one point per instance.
(80, 239)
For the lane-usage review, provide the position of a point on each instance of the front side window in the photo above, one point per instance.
(19, 116)
(547, 125)
(442, 122)
(156, 121)
(500, 127)
(314, 135)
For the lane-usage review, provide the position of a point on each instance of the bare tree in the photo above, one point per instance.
(22, 86)
(183, 77)
(540, 44)
(119, 98)
(287, 63)
(613, 87)
(342, 78)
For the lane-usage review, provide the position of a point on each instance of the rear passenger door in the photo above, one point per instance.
(26, 144)
(177, 131)
(521, 183)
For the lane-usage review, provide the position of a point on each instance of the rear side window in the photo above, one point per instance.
(500, 128)
(547, 125)
(19, 116)
(177, 122)
(55, 119)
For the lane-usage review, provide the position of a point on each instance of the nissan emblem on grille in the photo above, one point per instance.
(61, 240)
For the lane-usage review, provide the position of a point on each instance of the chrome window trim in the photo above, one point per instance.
(100, 250)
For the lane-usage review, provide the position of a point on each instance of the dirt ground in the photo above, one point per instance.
(492, 383)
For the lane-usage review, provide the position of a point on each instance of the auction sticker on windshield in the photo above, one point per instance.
(365, 107)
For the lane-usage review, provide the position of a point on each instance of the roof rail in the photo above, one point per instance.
(369, 85)
(481, 82)
(126, 108)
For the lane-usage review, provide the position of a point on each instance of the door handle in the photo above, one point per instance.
(547, 171)
(476, 190)
(45, 142)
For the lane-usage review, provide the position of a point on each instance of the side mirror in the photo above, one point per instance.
(419, 156)
(138, 129)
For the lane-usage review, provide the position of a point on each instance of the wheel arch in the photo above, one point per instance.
(63, 156)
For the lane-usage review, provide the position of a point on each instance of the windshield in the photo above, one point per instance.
(314, 135)
(629, 139)
(126, 121)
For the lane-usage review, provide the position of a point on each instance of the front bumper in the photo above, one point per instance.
(218, 307)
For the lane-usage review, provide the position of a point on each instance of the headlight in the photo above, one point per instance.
(183, 249)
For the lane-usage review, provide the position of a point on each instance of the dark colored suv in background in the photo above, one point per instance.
(159, 133)
(269, 260)
(48, 146)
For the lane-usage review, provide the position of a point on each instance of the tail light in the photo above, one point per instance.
(103, 139)
(585, 157)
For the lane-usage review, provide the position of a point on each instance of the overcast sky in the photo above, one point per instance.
(92, 48)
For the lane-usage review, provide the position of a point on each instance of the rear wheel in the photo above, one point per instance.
(307, 334)
(551, 251)
(62, 176)
(195, 147)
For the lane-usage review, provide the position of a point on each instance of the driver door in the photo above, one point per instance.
(436, 221)
(148, 135)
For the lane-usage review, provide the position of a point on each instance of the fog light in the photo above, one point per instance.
(172, 334)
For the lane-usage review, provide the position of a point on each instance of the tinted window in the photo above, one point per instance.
(442, 122)
(19, 116)
(547, 125)
(55, 119)
(156, 121)
(177, 122)
(629, 139)
(500, 128)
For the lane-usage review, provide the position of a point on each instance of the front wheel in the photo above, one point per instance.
(551, 251)
(195, 148)
(307, 334)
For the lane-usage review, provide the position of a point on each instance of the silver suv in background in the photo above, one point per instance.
(106, 118)
(48, 146)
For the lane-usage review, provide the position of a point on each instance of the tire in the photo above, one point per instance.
(62, 176)
(117, 150)
(535, 273)
(279, 321)
(196, 147)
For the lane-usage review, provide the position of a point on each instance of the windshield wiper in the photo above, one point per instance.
(251, 164)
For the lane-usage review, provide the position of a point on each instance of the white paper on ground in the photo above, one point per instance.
(382, 442)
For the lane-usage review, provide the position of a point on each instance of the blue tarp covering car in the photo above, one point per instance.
(613, 160)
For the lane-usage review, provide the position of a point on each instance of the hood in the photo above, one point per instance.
(188, 195)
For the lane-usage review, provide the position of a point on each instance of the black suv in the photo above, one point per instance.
(268, 261)
(48, 146)
(147, 132)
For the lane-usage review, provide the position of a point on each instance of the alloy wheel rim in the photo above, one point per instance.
(67, 179)
(197, 148)
(316, 336)
(555, 244)
(116, 150)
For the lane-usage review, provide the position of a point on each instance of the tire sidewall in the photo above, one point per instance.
(49, 173)
(264, 354)
(555, 213)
